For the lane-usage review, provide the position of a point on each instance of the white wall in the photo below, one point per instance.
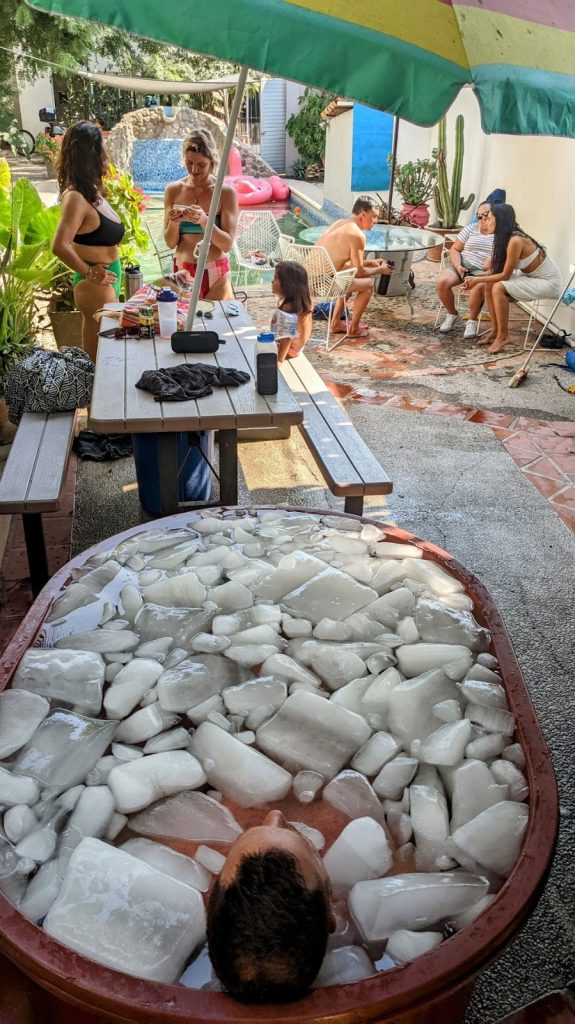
(31, 99)
(293, 91)
(338, 151)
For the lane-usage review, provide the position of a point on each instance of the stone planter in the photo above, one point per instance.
(435, 254)
(50, 169)
(66, 326)
(435, 987)
(418, 215)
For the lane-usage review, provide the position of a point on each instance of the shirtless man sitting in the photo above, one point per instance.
(345, 243)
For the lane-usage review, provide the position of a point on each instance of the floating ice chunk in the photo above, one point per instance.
(494, 837)
(90, 817)
(175, 558)
(117, 823)
(169, 862)
(392, 607)
(399, 826)
(353, 795)
(63, 749)
(207, 643)
(473, 789)
(331, 594)
(182, 624)
(414, 659)
(219, 719)
(131, 684)
(246, 697)
(313, 835)
(363, 627)
(485, 748)
(112, 671)
(189, 815)
(386, 574)
(41, 892)
(309, 732)
(514, 753)
(174, 739)
(195, 680)
(508, 774)
(438, 624)
(388, 549)
(481, 691)
(123, 752)
(461, 920)
(379, 749)
(132, 601)
(230, 596)
(447, 711)
(491, 719)
(483, 673)
(150, 541)
(76, 677)
(404, 945)
(331, 629)
(410, 704)
(141, 725)
(76, 595)
(447, 744)
(182, 591)
(19, 820)
(261, 714)
(306, 786)
(38, 845)
(210, 859)
(122, 913)
(435, 579)
(413, 901)
(430, 822)
(343, 965)
(137, 784)
(351, 696)
(227, 625)
(296, 627)
(292, 571)
(200, 712)
(395, 776)
(264, 634)
(20, 715)
(407, 630)
(376, 697)
(336, 668)
(240, 772)
(175, 657)
(209, 575)
(102, 641)
(248, 656)
(361, 851)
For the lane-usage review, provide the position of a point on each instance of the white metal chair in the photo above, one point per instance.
(165, 257)
(326, 284)
(258, 232)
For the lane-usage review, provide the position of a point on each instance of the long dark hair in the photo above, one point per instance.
(81, 165)
(294, 286)
(505, 227)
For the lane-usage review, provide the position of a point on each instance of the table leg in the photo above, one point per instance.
(228, 467)
(168, 462)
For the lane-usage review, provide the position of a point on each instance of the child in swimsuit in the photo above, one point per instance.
(291, 321)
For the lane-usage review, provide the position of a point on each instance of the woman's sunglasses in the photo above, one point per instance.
(483, 216)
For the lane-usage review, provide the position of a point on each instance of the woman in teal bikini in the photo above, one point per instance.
(186, 207)
(89, 232)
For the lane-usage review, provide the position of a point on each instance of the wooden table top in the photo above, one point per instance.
(120, 407)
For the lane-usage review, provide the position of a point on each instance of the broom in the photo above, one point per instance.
(520, 374)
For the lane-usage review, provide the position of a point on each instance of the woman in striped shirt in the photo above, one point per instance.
(471, 255)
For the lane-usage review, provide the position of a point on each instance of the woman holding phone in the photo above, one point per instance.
(186, 207)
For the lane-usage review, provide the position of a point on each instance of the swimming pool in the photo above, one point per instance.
(153, 218)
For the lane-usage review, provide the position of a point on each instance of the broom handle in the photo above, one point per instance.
(547, 322)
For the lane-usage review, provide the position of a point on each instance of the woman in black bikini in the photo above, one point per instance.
(186, 207)
(89, 232)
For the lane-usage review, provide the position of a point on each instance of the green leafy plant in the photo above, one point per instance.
(307, 129)
(48, 148)
(448, 201)
(299, 167)
(415, 181)
(11, 136)
(129, 203)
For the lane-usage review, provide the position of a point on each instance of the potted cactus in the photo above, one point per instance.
(448, 201)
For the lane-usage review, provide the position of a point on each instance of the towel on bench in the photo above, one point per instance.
(189, 380)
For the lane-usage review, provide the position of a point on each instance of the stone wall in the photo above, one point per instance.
(151, 123)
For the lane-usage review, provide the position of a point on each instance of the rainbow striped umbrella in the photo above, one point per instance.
(410, 57)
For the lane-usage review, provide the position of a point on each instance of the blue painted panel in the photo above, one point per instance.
(157, 162)
(372, 143)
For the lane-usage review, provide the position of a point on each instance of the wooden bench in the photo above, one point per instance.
(33, 480)
(347, 464)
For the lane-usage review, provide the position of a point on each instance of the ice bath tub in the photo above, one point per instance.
(435, 987)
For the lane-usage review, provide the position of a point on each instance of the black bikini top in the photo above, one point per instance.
(110, 232)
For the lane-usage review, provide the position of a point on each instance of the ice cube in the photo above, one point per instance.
(42, 891)
(18, 821)
(361, 851)
(190, 815)
(207, 643)
(473, 789)
(389, 549)
(306, 786)
(102, 641)
(90, 817)
(395, 775)
(195, 680)
(351, 696)
(447, 711)
(486, 747)
(250, 655)
(130, 685)
(379, 749)
(313, 835)
(174, 739)
(343, 965)
(447, 744)
(200, 712)
(246, 697)
(338, 667)
(507, 774)
(330, 629)
(491, 719)
(182, 591)
(415, 659)
(120, 912)
(20, 715)
(137, 784)
(63, 749)
(131, 600)
(285, 667)
(494, 837)
(479, 691)
(240, 772)
(210, 859)
(404, 945)
(169, 862)
(351, 793)
(310, 732)
(411, 702)
(230, 596)
(182, 624)
(438, 624)
(292, 570)
(141, 725)
(430, 822)
(514, 753)
(296, 627)
(76, 677)
(413, 901)
(331, 594)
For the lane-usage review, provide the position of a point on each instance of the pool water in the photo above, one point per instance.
(153, 218)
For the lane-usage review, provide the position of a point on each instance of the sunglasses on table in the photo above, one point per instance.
(121, 332)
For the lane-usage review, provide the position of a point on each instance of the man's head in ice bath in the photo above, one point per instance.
(270, 914)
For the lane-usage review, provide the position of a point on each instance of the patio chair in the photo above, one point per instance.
(445, 264)
(325, 282)
(257, 231)
(165, 257)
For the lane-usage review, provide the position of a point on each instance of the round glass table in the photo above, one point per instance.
(397, 242)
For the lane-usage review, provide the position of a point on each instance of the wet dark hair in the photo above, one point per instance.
(267, 931)
(81, 164)
(364, 204)
(505, 227)
(294, 285)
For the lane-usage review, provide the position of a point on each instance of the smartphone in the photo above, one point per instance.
(177, 207)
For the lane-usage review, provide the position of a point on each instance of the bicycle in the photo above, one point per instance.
(20, 141)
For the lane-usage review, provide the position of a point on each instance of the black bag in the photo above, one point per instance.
(47, 381)
(196, 341)
(554, 341)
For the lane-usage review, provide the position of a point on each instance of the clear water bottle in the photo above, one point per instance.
(266, 364)
(133, 279)
(167, 312)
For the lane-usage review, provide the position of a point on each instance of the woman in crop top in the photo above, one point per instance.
(186, 207)
(89, 232)
(521, 272)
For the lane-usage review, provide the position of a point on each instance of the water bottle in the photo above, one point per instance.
(167, 312)
(266, 364)
(133, 279)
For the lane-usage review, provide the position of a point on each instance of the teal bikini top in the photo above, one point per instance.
(187, 227)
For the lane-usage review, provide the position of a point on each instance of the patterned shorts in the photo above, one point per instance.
(213, 273)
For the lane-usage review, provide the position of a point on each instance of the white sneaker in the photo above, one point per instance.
(448, 323)
(471, 329)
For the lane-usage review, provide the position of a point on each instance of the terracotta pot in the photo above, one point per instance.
(417, 214)
(435, 987)
(435, 254)
(66, 326)
(50, 169)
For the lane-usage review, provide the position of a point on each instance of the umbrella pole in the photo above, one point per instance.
(392, 167)
(204, 246)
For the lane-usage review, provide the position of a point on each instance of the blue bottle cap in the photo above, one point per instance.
(266, 336)
(167, 295)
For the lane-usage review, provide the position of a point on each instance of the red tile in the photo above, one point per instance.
(409, 404)
(544, 485)
(521, 443)
(556, 445)
(565, 428)
(566, 464)
(520, 459)
(444, 409)
(545, 467)
(566, 498)
(494, 419)
(499, 432)
(524, 422)
(567, 517)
